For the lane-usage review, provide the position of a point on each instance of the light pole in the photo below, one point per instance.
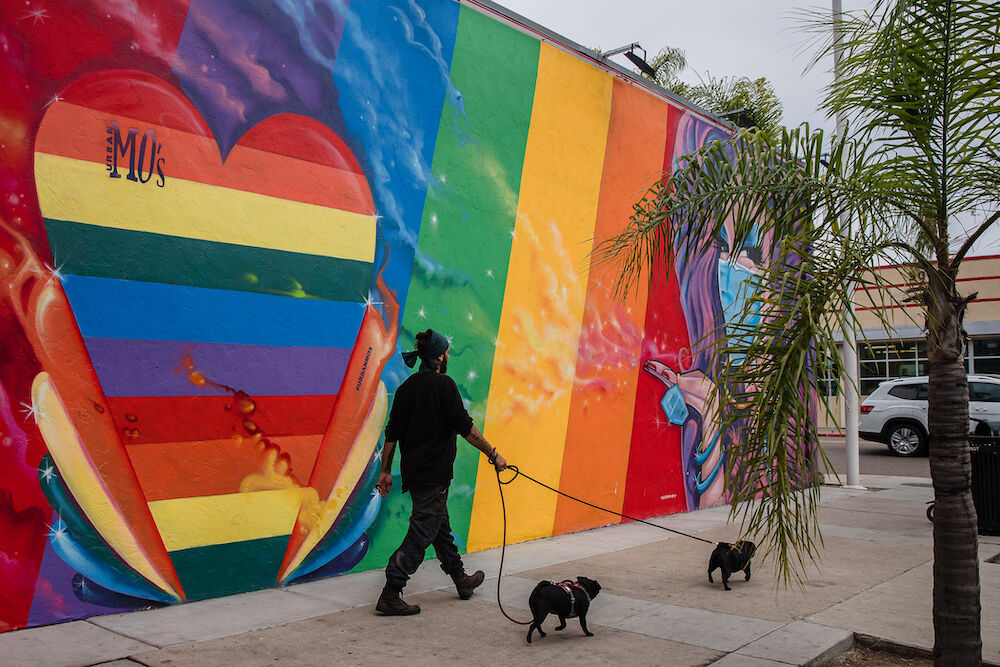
(849, 385)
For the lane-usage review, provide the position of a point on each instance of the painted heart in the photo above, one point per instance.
(210, 397)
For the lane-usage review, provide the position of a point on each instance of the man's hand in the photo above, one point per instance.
(384, 483)
(499, 462)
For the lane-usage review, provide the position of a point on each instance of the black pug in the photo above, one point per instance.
(566, 599)
(731, 558)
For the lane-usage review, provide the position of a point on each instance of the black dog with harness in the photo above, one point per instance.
(566, 599)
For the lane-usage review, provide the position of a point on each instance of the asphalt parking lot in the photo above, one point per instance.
(875, 459)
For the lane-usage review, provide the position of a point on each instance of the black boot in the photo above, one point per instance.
(390, 604)
(466, 583)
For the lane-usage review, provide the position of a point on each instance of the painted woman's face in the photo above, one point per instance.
(737, 266)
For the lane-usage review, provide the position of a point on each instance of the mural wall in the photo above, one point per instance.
(220, 223)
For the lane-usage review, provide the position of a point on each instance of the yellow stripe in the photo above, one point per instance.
(81, 191)
(528, 408)
(85, 482)
(232, 517)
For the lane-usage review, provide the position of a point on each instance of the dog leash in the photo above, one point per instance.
(503, 549)
(503, 506)
(518, 473)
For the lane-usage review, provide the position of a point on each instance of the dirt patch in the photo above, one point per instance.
(873, 657)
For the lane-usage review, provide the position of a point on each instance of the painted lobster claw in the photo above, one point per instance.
(350, 438)
(73, 417)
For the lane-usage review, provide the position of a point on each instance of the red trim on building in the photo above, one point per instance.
(902, 285)
(917, 305)
(967, 259)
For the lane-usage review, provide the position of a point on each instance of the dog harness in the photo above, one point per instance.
(568, 586)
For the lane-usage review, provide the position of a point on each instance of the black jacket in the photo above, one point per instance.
(427, 412)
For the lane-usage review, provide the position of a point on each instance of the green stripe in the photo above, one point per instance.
(479, 156)
(105, 252)
(227, 569)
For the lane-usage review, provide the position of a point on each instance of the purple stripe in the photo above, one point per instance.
(155, 368)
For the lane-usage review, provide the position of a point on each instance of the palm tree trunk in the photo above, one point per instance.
(957, 638)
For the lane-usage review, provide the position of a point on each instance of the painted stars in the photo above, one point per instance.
(434, 220)
(370, 302)
(49, 474)
(36, 15)
(489, 273)
(80, 585)
(55, 273)
(471, 375)
(58, 532)
(29, 411)
(422, 313)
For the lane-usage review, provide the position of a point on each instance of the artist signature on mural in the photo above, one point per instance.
(140, 167)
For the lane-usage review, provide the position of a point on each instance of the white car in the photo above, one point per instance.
(896, 412)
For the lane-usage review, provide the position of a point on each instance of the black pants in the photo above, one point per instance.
(429, 525)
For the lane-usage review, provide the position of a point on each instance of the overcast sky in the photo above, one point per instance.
(720, 37)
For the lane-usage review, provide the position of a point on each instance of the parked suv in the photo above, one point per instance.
(896, 412)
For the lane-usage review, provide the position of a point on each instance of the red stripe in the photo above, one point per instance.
(156, 419)
(140, 96)
(301, 138)
(146, 98)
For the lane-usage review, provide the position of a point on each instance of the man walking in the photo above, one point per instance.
(427, 413)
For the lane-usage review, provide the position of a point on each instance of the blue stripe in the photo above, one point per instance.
(405, 100)
(110, 308)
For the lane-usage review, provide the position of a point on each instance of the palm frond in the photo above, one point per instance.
(795, 192)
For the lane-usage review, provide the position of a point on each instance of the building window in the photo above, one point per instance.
(891, 359)
(984, 357)
(829, 384)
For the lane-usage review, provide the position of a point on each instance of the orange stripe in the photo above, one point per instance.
(196, 158)
(595, 459)
(213, 467)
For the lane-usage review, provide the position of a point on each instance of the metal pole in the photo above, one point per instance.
(849, 385)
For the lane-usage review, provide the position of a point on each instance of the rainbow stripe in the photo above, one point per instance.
(246, 276)
(545, 292)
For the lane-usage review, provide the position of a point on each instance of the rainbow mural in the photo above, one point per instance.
(221, 222)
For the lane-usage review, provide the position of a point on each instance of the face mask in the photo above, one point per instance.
(674, 406)
(735, 287)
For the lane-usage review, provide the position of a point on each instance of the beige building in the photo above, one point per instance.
(897, 348)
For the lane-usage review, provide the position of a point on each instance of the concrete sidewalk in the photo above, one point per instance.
(656, 606)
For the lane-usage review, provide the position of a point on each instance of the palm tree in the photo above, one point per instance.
(919, 86)
(668, 64)
(755, 98)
